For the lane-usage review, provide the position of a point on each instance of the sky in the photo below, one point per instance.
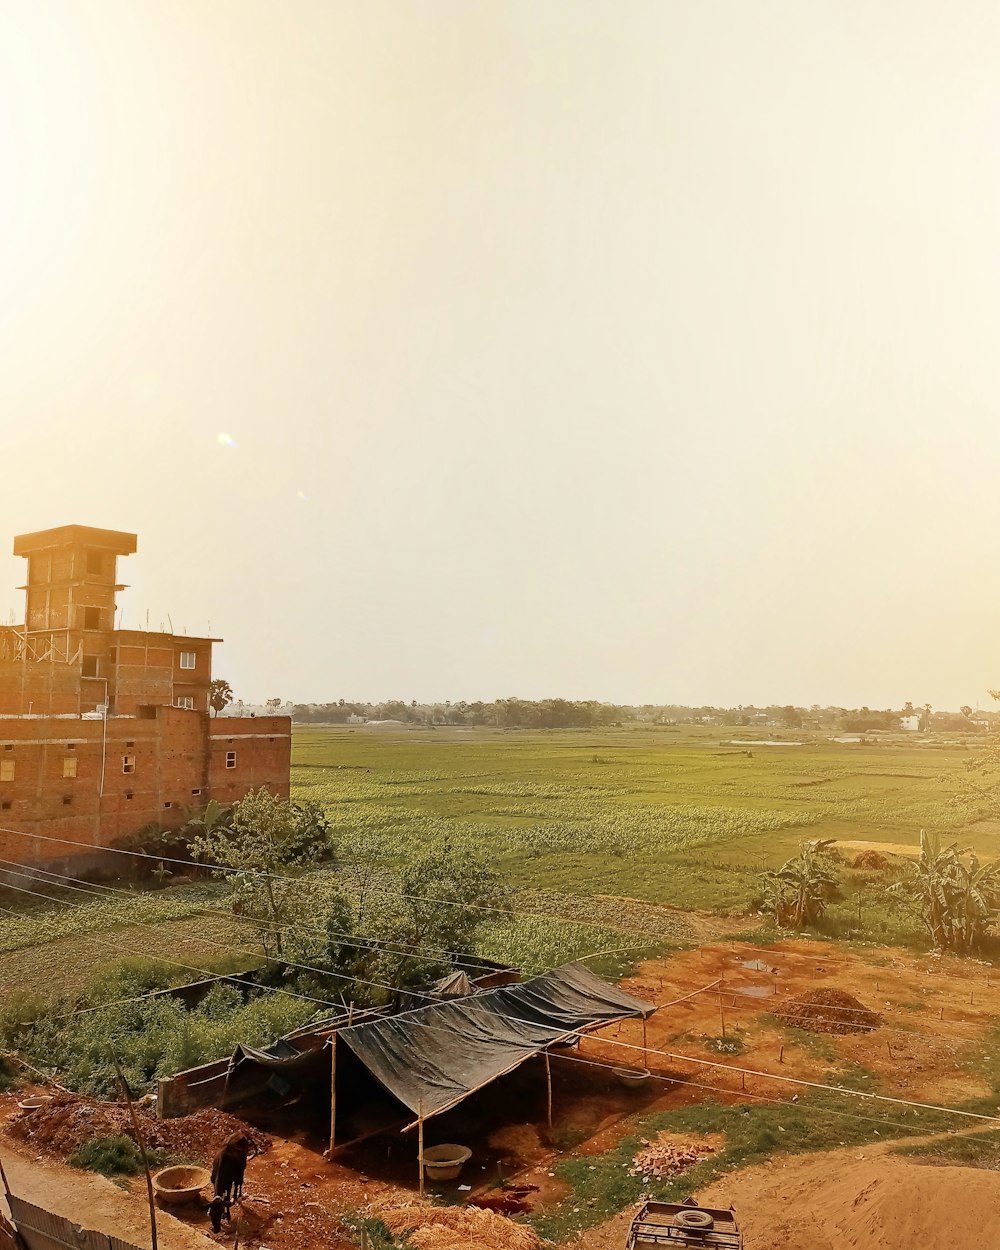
(459, 349)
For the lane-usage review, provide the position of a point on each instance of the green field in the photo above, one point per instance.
(676, 818)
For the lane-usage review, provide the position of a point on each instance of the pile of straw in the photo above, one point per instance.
(458, 1228)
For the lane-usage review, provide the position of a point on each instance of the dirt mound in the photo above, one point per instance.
(663, 1159)
(869, 1200)
(62, 1125)
(828, 1011)
(871, 860)
(458, 1228)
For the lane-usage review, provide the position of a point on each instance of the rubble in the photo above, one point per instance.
(665, 1159)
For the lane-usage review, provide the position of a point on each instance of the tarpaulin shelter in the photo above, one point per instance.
(431, 1058)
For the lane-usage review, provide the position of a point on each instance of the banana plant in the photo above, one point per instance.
(798, 892)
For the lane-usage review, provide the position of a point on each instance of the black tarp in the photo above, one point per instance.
(431, 1058)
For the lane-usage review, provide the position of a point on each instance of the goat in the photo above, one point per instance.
(228, 1168)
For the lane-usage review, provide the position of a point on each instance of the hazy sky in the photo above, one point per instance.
(639, 351)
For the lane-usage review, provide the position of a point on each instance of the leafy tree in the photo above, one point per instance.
(274, 705)
(958, 901)
(268, 842)
(798, 892)
(406, 937)
(220, 694)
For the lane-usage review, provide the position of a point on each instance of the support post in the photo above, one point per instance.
(3, 1177)
(722, 1015)
(420, 1144)
(548, 1080)
(141, 1142)
(333, 1093)
(645, 1052)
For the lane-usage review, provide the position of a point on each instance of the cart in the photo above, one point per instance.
(676, 1225)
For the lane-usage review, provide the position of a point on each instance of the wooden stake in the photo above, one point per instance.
(420, 1143)
(548, 1079)
(722, 1016)
(743, 1080)
(645, 1052)
(781, 1055)
(941, 1014)
(3, 1177)
(142, 1146)
(333, 1094)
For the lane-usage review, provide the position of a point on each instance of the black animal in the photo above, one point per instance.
(228, 1169)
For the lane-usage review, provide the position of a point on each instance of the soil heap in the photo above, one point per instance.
(828, 1011)
(872, 860)
(457, 1228)
(64, 1123)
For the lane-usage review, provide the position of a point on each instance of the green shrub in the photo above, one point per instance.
(111, 1156)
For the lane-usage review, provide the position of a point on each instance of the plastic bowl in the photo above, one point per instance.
(180, 1184)
(444, 1163)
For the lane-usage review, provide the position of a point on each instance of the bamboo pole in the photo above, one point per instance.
(722, 1015)
(3, 1177)
(548, 1079)
(420, 1143)
(645, 1052)
(142, 1147)
(333, 1093)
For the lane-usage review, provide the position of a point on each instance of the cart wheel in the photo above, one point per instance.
(694, 1219)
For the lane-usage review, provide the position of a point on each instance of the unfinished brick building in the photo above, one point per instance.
(105, 730)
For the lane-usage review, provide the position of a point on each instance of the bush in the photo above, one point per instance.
(111, 1156)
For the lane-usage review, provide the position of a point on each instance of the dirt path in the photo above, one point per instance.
(92, 1201)
(858, 1198)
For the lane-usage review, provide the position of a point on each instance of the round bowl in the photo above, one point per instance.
(444, 1163)
(180, 1184)
(632, 1078)
(34, 1101)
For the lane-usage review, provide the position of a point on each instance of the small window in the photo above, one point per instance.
(128, 763)
(130, 744)
(195, 793)
(91, 618)
(6, 805)
(230, 759)
(188, 659)
(70, 746)
(6, 770)
(95, 561)
(8, 746)
(90, 666)
(186, 700)
(168, 804)
(128, 795)
(69, 766)
(67, 800)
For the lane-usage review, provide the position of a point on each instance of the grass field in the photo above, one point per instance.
(678, 818)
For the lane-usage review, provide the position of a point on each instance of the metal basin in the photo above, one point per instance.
(632, 1078)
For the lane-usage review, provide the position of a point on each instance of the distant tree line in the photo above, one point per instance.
(592, 714)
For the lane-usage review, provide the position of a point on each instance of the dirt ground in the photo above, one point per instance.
(853, 1199)
(932, 1009)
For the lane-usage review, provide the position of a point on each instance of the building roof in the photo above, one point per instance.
(118, 541)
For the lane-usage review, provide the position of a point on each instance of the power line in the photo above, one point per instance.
(420, 898)
(408, 949)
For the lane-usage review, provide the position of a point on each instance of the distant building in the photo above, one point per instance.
(105, 730)
(910, 723)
